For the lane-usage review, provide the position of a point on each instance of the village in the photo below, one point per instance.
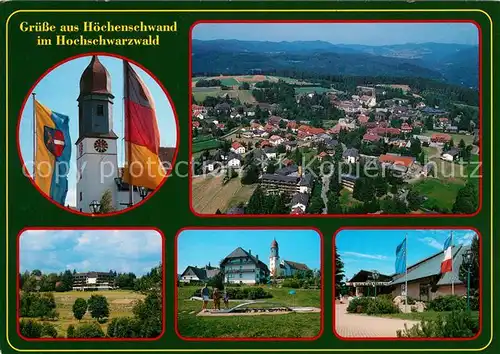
(377, 149)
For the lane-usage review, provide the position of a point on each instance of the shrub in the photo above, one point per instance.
(474, 303)
(30, 329)
(123, 327)
(457, 324)
(448, 303)
(98, 307)
(38, 305)
(379, 306)
(48, 330)
(70, 332)
(358, 305)
(79, 308)
(292, 283)
(242, 293)
(89, 330)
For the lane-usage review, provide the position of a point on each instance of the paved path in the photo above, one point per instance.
(359, 326)
(325, 180)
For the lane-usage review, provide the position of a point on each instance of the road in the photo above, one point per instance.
(363, 326)
(324, 192)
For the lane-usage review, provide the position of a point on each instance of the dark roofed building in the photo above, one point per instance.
(199, 274)
(366, 283)
(241, 267)
(290, 268)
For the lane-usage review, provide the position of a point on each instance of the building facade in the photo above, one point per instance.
(241, 267)
(93, 281)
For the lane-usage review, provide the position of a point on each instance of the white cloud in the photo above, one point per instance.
(364, 255)
(466, 239)
(432, 242)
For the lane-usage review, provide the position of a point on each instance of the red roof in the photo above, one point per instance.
(371, 137)
(406, 126)
(196, 124)
(95, 78)
(443, 119)
(275, 137)
(274, 120)
(362, 119)
(236, 145)
(292, 124)
(264, 143)
(322, 154)
(397, 160)
(440, 137)
(385, 131)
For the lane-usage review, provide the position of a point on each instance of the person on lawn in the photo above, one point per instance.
(226, 299)
(216, 297)
(205, 295)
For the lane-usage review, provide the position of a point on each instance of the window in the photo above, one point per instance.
(100, 110)
(81, 196)
(241, 275)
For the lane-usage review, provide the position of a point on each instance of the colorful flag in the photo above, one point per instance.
(401, 258)
(53, 152)
(446, 264)
(144, 168)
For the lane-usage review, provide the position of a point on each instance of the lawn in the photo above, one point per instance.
(121, 303)
(206, 145)
(439, 192)
(317, 89)
(426, 315)
(246, 96)
(209, 194)
(291, 325)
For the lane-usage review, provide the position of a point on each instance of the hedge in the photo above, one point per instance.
(241, 293)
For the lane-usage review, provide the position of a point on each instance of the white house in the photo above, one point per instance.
(451, 155)
(300, 200)
(270, 152)
(241, 267)
(237, 148)
(351, 155)
(234, 161)
(276, 140)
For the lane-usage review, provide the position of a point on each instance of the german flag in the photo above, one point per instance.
(143, 167)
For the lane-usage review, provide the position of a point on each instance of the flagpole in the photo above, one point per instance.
(406, 272)
(127, 121)
(33, 94)
(452, 274)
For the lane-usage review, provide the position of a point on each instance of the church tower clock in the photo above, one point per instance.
(97, 159)
(274, 259)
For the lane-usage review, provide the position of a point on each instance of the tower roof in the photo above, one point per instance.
(274, 244)
(95, 78)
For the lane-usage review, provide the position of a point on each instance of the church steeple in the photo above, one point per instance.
(95, 102)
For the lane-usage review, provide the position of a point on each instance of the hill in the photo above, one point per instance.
(453, 63)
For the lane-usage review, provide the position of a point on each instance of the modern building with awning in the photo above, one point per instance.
(370, 283)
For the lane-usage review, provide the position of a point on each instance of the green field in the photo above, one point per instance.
(440, 192)
(346, 199)
(121, 303)
(317, 89)
(293, 325)
(201, 93)
(206, 145)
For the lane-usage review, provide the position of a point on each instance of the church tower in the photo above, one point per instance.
(274, 259)
(97, 159)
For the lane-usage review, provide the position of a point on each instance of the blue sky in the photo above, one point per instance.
(59, 91)
(343, 33)
(376, 249)
(199, 247)
(134, 251)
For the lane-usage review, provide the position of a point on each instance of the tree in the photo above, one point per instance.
(280, 204)
(79, 308)
(70, 332)
(89, 330)
(123, 327)
(339, 272)
(245, 86)
(30, 329)
(148, 313)
(414, 200)
(271, 167)
(474, 276)
(416, 147)
(98, 307)
(256, 202)
(467, 200)
(106, 202)
(48, 330)
(66, 281)
(333, 204)
(251, 175)
(421, 158)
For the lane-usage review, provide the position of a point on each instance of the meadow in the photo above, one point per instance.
(121, 303)
(293, 325)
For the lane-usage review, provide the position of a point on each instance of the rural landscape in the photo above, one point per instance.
(414, 284)
(231, 292)
(90, 304)
(311, 127)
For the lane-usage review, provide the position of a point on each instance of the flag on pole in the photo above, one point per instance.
(143, 165)
(53, 152)
(401, 258)
(446, 264)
